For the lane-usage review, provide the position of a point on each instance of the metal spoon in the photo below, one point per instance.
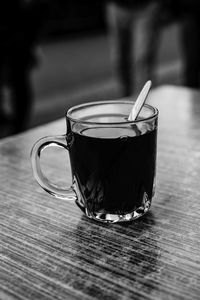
(140, 101)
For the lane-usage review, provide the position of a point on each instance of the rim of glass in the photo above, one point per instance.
(93, 103)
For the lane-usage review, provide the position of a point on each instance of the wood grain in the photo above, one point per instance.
(50, 250)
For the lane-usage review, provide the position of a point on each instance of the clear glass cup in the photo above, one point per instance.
(113, 160)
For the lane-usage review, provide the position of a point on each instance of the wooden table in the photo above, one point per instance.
(50, 250)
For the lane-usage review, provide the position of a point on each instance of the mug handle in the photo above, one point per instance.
(44, 182)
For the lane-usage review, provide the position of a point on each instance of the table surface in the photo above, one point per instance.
(50, 250)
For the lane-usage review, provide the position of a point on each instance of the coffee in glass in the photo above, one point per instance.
(113, 160)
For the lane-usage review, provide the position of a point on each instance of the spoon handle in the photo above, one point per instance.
(140, 101)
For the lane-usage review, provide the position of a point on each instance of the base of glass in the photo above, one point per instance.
(115, 218)
(106, 217)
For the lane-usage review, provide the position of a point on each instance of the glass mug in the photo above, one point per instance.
(113, 160)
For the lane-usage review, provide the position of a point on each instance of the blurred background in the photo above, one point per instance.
(73, 60)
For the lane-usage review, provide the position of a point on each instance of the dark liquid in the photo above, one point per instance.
(113, 174)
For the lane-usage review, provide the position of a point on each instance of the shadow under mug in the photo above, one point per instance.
(113, 160)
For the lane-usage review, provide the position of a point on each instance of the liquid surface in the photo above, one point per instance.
(113, 126)
(108, 132)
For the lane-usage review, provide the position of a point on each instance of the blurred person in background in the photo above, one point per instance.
(20, 26)
(133, 28)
